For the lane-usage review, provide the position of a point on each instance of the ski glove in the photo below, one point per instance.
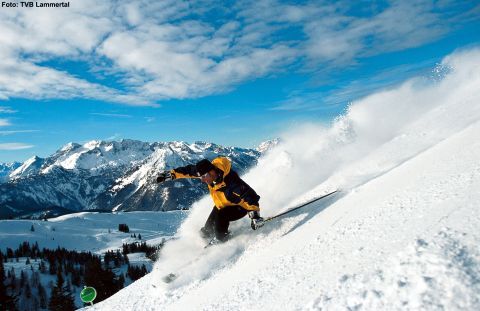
(256, 220)
(164, 176)
(253, 214)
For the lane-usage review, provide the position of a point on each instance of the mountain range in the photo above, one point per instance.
(110, 176)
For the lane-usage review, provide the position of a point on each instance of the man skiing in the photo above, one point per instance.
(233, 198)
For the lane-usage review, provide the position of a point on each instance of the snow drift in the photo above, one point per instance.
(406, 160)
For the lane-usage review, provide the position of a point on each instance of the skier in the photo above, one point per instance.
(233, 198)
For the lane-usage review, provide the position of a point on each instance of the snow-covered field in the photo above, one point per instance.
(94, 232)
(87, 231)
(401, 235)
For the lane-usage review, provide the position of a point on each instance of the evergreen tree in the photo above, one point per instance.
(23, 278)
(61, 299)
(32, 228)
(28, 290)
(69, 285)
(103, 280)
(11, 274)
(42, 296)
(134, 272)
(7, 302)
(35, 303)
(3, 290)
(121, 280)
(76, 279)
(123, 228)
(43, 267)
(35, 279)
(53, 266)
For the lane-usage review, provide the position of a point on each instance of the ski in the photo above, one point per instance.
(173, 276)
(300, 206)
(212, 242)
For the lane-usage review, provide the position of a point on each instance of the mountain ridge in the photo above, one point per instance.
(112, 175)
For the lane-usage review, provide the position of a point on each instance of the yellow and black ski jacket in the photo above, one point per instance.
(230, 190)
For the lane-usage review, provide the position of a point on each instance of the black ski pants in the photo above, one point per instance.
(219, 220)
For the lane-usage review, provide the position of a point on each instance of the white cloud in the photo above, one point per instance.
(33, 35)
(179, 61)
(15, 146)
(354, 90)
(6, 110)
(169, 49)
(5, 133)
(66, 33)
(4, 122)
(25, 79)
(341, 38)
(115, 136)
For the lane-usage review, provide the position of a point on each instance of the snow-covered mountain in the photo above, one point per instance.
(6, 169)
(268, 145)
(111, 175)
(401, 235)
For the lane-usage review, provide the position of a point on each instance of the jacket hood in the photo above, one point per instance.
(223, 164)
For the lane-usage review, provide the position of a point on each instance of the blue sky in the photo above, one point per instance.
(235, 73)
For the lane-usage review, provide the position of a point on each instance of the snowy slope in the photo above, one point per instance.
(87, 231)
(90, 231)
(29, 167)
(403, 233)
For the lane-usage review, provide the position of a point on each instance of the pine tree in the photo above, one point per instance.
(3, 290)
(23, 278)
(61, 299)
(35, 278)
(121, 280)
(7, 302)
(42, 296)
(69, 286)
(35, 303)
(28, 290)
(53, 266)
(43, 267)
(11, 274)
(103, 280)
(76, 279)
(32, 228)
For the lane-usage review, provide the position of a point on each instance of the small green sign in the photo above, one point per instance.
(88, 294)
